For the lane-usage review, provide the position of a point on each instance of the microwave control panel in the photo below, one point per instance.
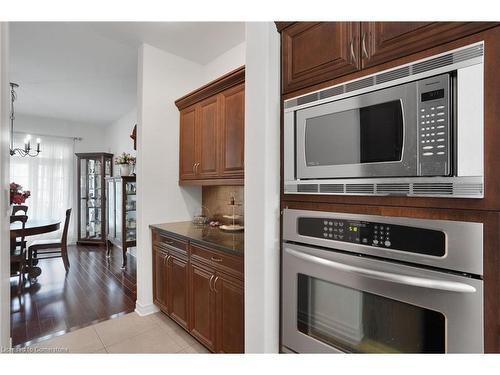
(389, 236)
(434, 126)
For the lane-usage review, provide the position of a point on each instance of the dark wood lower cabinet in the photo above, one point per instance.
(230, 312)
(160, 280)
(202, 305)
(178, 291)
(202, 290)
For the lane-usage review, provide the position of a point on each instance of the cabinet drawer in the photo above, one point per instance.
(170, 243)
(217, 259)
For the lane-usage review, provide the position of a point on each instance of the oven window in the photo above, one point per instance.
(365, 135)
(360, 322)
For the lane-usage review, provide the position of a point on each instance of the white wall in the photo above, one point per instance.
(162, 79)
(92, 135)
(262, 181)
(229, 60)
(118, 135)
(4, 190)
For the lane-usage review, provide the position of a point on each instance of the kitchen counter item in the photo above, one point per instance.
(229, 242)
(232, 228)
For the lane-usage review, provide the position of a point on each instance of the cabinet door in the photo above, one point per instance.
(230, 314)
(187, 156)
(178, 289)
(207, 138)
(202, 304)
(232, 132)
(385, 41)
(160, 279)
(315, 52)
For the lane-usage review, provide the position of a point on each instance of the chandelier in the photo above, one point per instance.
(27, 151)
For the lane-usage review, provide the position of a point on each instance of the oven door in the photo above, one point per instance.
(335, 302)
(370, 135)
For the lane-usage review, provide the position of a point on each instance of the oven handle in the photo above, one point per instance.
(421, 282)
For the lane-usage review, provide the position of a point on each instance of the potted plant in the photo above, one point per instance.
(17, 195)
(126, 163)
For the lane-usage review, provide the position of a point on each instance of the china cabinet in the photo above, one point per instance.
(92, 170)
(121, 214)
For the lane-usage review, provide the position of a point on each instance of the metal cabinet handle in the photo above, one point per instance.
(215, 284)
(193, 168)
(210, 283)
(363, 46)
(165, 260)
(168, 242)
(421, 282)
(196, 167)
(213, 259)
(353, 55)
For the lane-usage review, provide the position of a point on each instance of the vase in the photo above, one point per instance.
(124, 169)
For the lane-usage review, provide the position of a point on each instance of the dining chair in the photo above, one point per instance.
(19, 208)
(18, 251)
(48, 249)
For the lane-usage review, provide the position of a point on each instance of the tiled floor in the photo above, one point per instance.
(129, 333)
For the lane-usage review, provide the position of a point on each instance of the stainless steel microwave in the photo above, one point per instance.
(414, 130)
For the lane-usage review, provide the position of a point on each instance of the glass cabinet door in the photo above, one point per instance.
(130, 209)
(91, 191)
(111, 230)
(118, 208)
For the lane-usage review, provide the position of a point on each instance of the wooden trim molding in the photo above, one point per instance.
(208, 182)
(280, 26)
(220, 84)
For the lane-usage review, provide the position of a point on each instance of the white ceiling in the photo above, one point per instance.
(87, 71)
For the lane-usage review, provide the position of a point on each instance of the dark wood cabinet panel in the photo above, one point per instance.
(385, 41)
(232, 131)
(230, 314)
(187, 157)
(314, 52)
(207, 139)
(202, 305)
(160, 280)
(178, 289)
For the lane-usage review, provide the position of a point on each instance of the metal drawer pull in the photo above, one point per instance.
(213, 259)
(451, 286)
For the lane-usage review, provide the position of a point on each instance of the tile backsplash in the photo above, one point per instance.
(216, 199)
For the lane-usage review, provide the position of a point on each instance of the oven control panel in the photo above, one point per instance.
(389, 236)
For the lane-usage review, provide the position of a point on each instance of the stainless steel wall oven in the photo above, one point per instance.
(375, 284)
(414, 130)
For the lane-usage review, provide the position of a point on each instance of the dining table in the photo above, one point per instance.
(32, 228)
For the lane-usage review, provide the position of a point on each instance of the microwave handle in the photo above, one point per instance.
(421, 282)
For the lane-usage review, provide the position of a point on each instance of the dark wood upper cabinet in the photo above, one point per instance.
(232, 131)
(212, 121)
(207, 139)
(202, 305)
(230, 312)
(178, 290)
(317, 52)
(386, 41)
(313, 52)
(187, 157)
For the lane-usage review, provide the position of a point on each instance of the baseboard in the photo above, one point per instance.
(144, 310)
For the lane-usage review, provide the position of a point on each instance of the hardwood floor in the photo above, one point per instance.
(95, 289)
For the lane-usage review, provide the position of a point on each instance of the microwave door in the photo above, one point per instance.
(371, 135)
